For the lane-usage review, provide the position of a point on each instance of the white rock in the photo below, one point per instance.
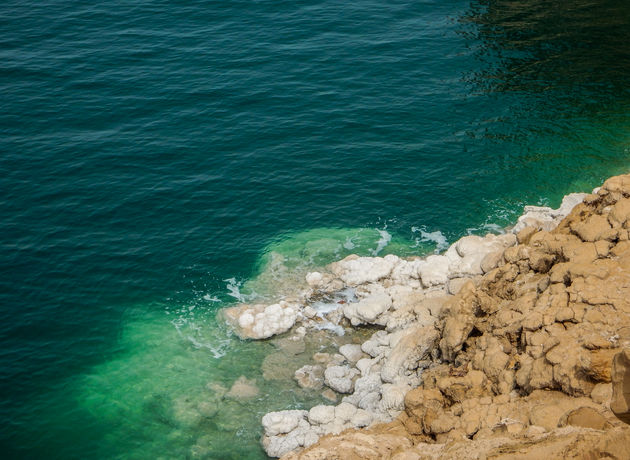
(355, 270)
(368, 309)
(434, 270)
(469, 251)
(282, 422)
(365, 364)
(411, 345)
(340, 378)
(314, 279)
(393, 397)
(367, 392)
(351, 352)
(277, 446)
(246, 319)
(321, 414)
(361, 418)
(546, 218)
(406, 273)
(404, 295)
(378, 345)
(345, 411)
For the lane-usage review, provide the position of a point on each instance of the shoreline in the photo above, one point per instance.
(409, 300)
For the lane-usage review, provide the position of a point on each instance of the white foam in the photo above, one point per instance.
(328, 326)
(349, 244)
(386, 237)
(437, 237)
(323, 308)
(218, 347)
(210, 298)
(346, 295)
(233, 288)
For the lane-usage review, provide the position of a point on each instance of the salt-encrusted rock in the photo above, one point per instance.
(378, 344)
(354, 270)
(367, 392)
(393, 397)
(352, 352)
(523, 349)
(365, 365)
(545, 218)
(323, 282)
(404, 295)
(310, 376)
(467, 254)
(361, 418)
(340, 378)
(300, 436)
(345, 411)
(282, 422)
(368, 309)
(434, 270)
(405, 272)
(321, 414)
(314, 279)
(261, 321)
(411, 347)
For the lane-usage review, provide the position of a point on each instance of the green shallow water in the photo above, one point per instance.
(161, 161)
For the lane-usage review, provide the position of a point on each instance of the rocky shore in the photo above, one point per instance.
(501, 347)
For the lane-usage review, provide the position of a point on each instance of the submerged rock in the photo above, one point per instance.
(243, 388)
(310, 377)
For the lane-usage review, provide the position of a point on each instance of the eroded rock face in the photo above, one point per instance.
(521, 358)
(620, 403)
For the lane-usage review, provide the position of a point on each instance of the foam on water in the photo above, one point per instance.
(382, 242)
(437, 237)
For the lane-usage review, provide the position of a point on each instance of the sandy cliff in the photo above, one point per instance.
(522, 359)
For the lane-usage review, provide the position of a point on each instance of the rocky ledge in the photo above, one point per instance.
(501, 347)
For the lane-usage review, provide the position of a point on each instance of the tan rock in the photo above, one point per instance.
(585, 417)
(620, 376)
(602, 393)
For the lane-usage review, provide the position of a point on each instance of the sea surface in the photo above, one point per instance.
(162, 160)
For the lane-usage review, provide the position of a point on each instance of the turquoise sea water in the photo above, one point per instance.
(160, 160)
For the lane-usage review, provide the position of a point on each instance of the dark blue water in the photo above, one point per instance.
(156, 154)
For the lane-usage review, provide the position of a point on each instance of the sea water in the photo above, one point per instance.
(162, 160)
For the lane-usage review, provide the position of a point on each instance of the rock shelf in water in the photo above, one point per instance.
(502, 341)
